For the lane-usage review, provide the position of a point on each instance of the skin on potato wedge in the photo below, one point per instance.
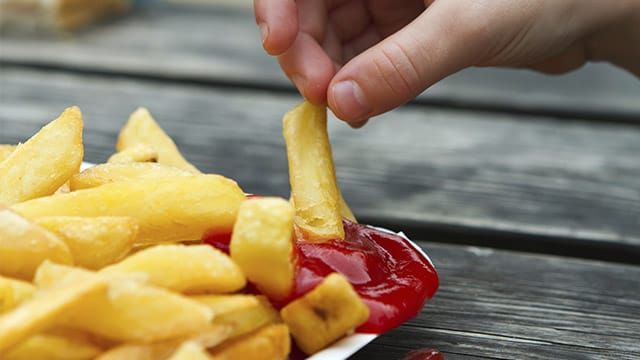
(314, 187)
(325, 314)
(172, 209)
(45, 162)
(242, 313)
(94, 242)
(13, 292)
(25, 245)
(262, 245)
(143, 129)
(268, 343)
(47, 305)
(108, 173)
(134, 154)
(130, 310)
(53, 347)
(182, 268)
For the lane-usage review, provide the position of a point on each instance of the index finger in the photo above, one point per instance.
(278, 23)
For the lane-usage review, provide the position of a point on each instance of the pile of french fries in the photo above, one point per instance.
(108, 263)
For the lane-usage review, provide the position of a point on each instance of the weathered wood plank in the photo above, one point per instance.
(526, 175)
(509, 305)
(222, 45)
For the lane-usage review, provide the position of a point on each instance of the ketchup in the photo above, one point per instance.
(424, 354)
(390, 275)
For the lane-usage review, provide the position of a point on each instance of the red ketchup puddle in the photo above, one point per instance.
(390, 275)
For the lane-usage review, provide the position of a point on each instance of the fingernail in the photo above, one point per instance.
(264, 31)
(350, 101)
(358, 124)
(299, 81)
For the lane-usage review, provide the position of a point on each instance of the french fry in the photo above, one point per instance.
(130, 310)
(134, 154)
(326, 313)
(13, 292)
(43, 163)
(190, 351)
(262, 245)
(53, 347)
(143, 129)
(162, 350)
(268, 343)
(108, 173)
(173, 209)
(46, 306)
(6, 150)
(242, 313)
(94, 242)
(182, 268)
(25, 245)
(311, 173)
(345, 210)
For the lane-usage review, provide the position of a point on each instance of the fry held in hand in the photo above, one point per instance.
(311, 172)
(45, 162)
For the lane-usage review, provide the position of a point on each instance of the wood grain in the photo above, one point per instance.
(221, 45)
(508, 305)
(415, 166)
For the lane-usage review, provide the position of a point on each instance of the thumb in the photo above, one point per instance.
(401, 66)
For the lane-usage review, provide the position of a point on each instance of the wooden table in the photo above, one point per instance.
(524, 189)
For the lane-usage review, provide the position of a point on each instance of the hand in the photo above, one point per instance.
(365, 57)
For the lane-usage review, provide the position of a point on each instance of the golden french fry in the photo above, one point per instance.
(134, 154)
(53, 347)
(345, 210)
(108, 173)
(190, 351)
(131, 310)
(173, 209)
(210, 337)
(262, 245)
(311, 173)
(326, 313)
(143, 129)
(25, 245)
(268, 343)
(13, 292)
(43, 163)
(6, 150)
(182, 268)
(47, 305)
(94, 242)
(242, 313)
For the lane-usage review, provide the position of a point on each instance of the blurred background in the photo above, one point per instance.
(509, 150)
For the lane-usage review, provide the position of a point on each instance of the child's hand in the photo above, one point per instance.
(365, 57)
